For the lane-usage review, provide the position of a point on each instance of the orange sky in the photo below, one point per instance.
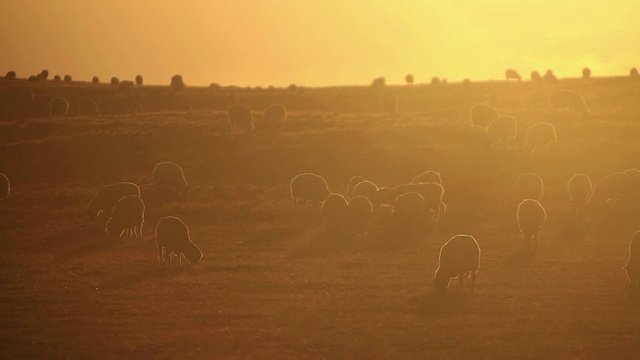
(316, 42)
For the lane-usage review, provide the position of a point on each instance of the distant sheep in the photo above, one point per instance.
(389, 102)
(355, 180)
(58, 107)
(409, 208)
(139, 80)
(531, 217)
(535, 76)
(611, 187)
(95, 80)
(428, 176)
(240, 119)
(586, 73)
(579, 188)
(57, 78)
(529, 186)
(459, 258)
(367, 189)
(308, 187)
(378, 82)
(431, 192)
(275, 112)
(127, 217)
(633, 262)
(566, 99)
(107, 197)
(512, 74)
(68, 78)
(482, 115)
(335, 210)
(360, 214)
(169, 174)
(176, 83)
(10, 75)
(540, 135)
(5, 187)
(87, 107)
(502, 129)
(633, 73)
(172, 238)
(114, 81)
(550, 77)
(409, 79)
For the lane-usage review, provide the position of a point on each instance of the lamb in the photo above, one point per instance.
(482, 115)
(566, 99)
(529, 186)
(367, 189)
(172, 238)
(240, 119)
(308, 187)
(275, 112)
(540, 135)
(58, 106)
(459, 257)
(633, 263)
(334, 211)
(360, 214)
(107, 197)
(431, 192)
(531, 216)
(512, 74)
(428, 176)
(502, 129)
(579, 188)
(127, 217)
(355, 180)
(169, 174)
(389, 103)
(5, 187)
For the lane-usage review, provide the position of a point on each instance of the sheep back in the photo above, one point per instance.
(309, 187)
(170, 174)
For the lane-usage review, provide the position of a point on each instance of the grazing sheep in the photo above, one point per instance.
(529, 186)
(107, 197)
(139, 80)
(367, 189)
(409, 209)
(355, 180)
(170, 175)
(5, 186)
(531, 216)
(58, 106)
(459, 258)
(389, 103)
(633, 73)
(87, 107)
(482, 115)
(633, 263)
(334, 210)
(360, 214)
(57, 78)
(240, 119)
(550, 77)
(540, 135)
(172, 238)
(611, 187)
(114, 81)
(308, 187)
(435, 81)
(428, 176)
(502, 129)
(566, 99)
(431, 192)
(275, 112)
(176, 83)
(67, 78)
(586, 73)
(512, 74)
(535, 76)
(127, 217)
(10, 75)
(44, 75)
(579, 188)
(95, 80)
(409, 79)
(377, 82)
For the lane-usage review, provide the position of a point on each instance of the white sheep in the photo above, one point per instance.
(355, 180)
(171, 175)
(172, 238)
(431, 192)
(308, 187)
(127, 217)
(335, 211)
(566, 99)
(360, 214)
(529, 186)
(512, 74)
(107, 197)
(275, 112)
(240, 119)
(502, 129)
(58, 106)
(428, 176)
(367, 189)
(633, 263)
(459, 258)
(5, 186)
(481, 115)
(579, 188)
(540, 135)
(531, 217)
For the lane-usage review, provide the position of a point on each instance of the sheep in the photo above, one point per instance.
(431, 192)
(633, 262)
(355, 180)
(540, 135)
(67, 78)
(633, 73)
(586, 73)
(612, 187)
(360, 214)
(169, 174)
(512, 74)
(10, 75)
(550, 77)
(579, 188)
(275, 112)
(428, 176)
(482, 115)
(5, 187)
(334, 210)
(409, 209)
(409, 79)
(127, 217)
(531, 217)
(459, 257)
(535, 76)
(389, 102)
(87, 107)
(176, 83)
(502, 129)
(139, 80)
(57, 78)
(566, 99)
(529, 186)
(114, 81)
(58, 106)
(308, 187)
(107, 197)
(95, 80)
(367, 189)
(240, 119)
(172, 238)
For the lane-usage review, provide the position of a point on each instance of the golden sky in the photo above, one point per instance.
(316, 42)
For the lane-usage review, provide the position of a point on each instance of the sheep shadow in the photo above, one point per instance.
(520, 259)
(441, 303)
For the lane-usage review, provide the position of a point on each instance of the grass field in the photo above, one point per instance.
(273, 283)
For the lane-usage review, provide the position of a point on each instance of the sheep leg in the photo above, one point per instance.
(161, 255)
(140, 229)
(535, 241)
(180, 259)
